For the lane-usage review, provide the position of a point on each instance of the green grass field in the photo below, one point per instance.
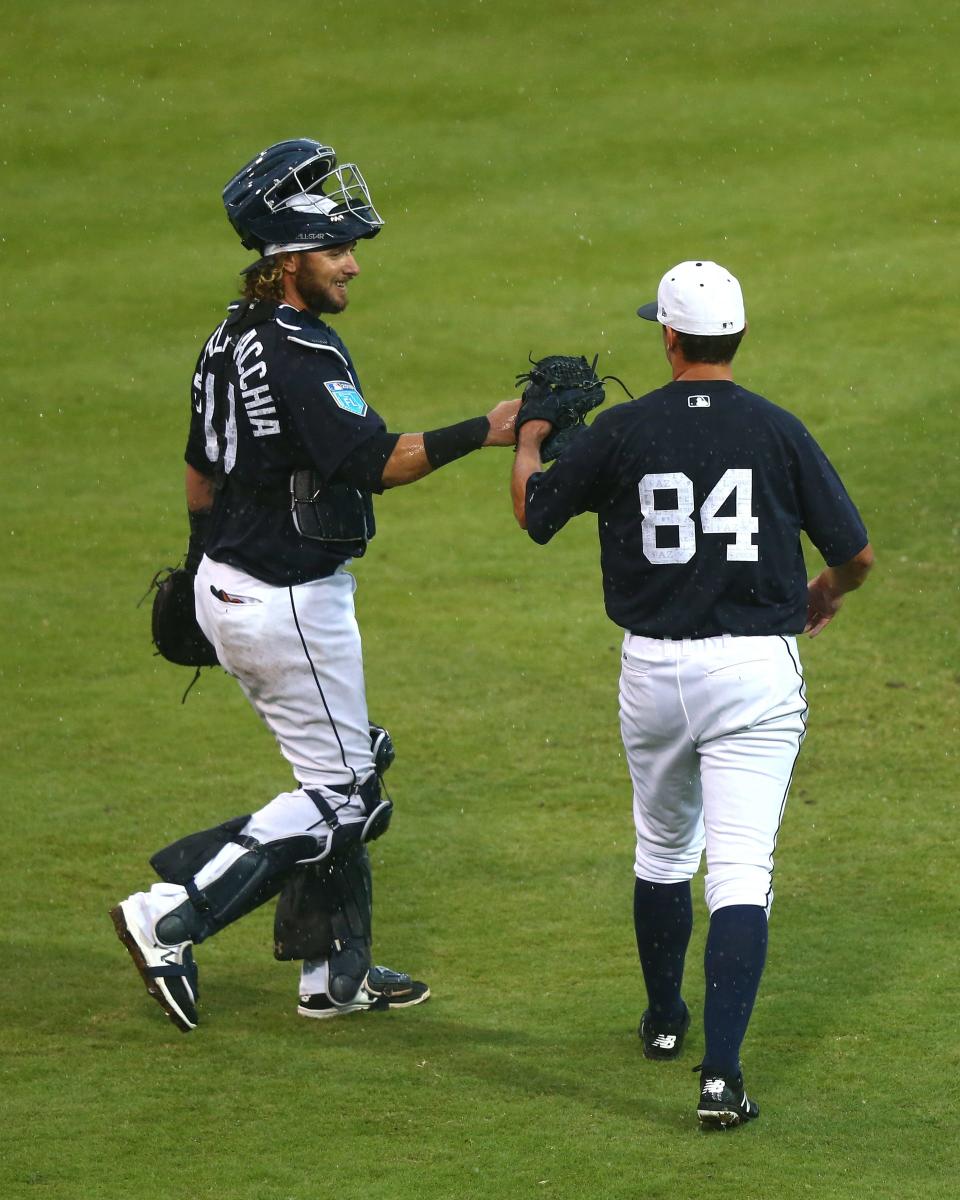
(539, 166)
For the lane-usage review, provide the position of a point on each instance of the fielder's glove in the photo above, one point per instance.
(176, 634)
(560, 389)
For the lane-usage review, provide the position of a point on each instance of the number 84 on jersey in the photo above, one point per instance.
(743, 524)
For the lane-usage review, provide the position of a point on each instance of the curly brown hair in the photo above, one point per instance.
(263, 280)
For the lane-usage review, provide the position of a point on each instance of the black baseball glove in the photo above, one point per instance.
(176, 634)
(560, 389)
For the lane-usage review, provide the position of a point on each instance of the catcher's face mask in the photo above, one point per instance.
(316, 187)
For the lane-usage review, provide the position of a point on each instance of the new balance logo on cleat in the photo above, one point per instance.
(724, 1103)
(663, 1040)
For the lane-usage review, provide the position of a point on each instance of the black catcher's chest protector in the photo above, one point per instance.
(332, 512)
(328, 512)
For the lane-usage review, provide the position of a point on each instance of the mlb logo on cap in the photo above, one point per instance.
(701, 298)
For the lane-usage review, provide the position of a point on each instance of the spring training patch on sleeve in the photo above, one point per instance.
(346, 396)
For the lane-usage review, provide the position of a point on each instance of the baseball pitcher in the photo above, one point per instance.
(701, 490)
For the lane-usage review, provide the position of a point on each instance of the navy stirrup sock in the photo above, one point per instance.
(733, 963)
(663, 920)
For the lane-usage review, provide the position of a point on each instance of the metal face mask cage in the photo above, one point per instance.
(312, 187)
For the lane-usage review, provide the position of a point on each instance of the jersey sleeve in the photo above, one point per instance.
(327, 408)
(198, 453)
(830, 518)
(363, 466)
(573, 485)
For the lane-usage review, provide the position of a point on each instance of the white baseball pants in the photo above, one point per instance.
(296, 653)
(712, 729)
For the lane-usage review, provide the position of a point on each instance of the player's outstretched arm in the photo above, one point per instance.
(526, 463)
(417, 454)
(502, 420)
(826, 591)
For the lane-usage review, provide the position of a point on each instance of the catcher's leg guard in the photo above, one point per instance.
(304, 925)
(342, 980)
(377, 811)
(301, 924)
(326, 911)
(182, 859)
(351, 919)
(349, 962)
(246, 882)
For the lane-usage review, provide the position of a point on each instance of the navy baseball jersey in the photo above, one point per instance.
(275, 391)
(701, 490)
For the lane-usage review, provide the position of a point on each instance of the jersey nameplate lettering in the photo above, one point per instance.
(346, 396)
(256, 397)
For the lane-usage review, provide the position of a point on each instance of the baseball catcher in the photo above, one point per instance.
(285, 454)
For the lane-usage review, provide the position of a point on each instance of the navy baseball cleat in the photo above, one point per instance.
(381, 989)
(662, 1040)
(724, 1103)
(169, 972)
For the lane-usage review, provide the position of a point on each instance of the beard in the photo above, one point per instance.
(319, 298)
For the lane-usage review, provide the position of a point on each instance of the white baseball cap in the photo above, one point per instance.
(698, 297)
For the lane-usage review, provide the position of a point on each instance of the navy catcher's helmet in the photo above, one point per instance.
(293, 192)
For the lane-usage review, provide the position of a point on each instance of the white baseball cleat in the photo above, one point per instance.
(169, 972)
